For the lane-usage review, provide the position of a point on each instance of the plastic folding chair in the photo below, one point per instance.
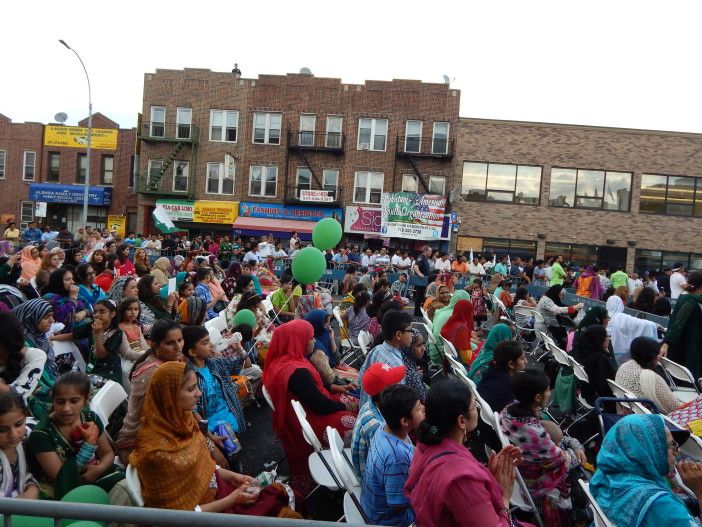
(559, 355)
(681, 373)
(486, 413)
(426, 318)
(364, 340)
(107, 399)
(134, 485)
(267, 397)
(67, 347)
(449, 349)
(582, 377)
(353, 512)
(430, 334)
(601, 519)
(622, 393)
(216, 324)
(455, 365)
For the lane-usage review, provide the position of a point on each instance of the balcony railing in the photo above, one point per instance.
(327, 196)
(413, 146)
(169, 132)
(164, 186)
(320, 141)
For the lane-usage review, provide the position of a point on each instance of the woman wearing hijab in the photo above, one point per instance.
(289, 375)
(595, 315)
(192, 311)
(436, 352)
(441, 300)
(624, 328)
(592, 352)
(411, 357)
(631, 482)
(232, 275)
(62, 294)
(498, 333)
(459, 329)
(588, 283)
(683, 340)
(160, 271)
(30, 262)
(336, 377)
(550, 305)
(123, 287)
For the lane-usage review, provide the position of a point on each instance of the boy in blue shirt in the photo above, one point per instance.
(389, 458)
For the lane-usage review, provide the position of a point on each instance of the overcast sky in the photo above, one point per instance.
(612, 63)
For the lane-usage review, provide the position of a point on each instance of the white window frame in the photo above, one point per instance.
(297, 180)
(223, 128)
(149, 168)
(264, 180)
(368, 187)
(419, 139)
(26, 165)
(103, 170)
(24, 220)
(266, 128)
(371, 144)
(176, 164)
(309, 139)
(221, 178)
(414, 179)
(182, 120)
(154, 109)
(3, 162)
(337, 173)
(433, 136)
(339, 142)
(443, 184)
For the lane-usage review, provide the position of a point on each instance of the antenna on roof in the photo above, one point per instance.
(60, 117)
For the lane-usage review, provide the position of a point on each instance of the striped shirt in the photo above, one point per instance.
(369, 420)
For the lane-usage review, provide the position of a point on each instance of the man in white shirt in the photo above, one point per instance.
(633, 282)
(298, 246)
(383, 259)
(278, 252)
(252, 254)
(366, 258)
(396, 259)
(476, 268)
(677, 281)
(266, 247)
(403, 263)
(443, 263)
(293, 240)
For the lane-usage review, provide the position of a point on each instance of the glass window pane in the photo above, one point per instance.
(303, 176)
(377, 180)
(381, 126)
(681, 192)
(216, 117)
(501, 177)
(495, 195)
(528, 185)
(330, 178)
(275, 121)
(562, 192)
(437, 185)
(333, 124)
(232, 119)
(589, 188)
(473, 182)
(307, 122)
(670, 259)
(653, 189)
(617, 191)
(409, 183)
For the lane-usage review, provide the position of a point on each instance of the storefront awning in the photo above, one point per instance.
(246, 225)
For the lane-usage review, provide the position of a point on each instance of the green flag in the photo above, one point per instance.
(163, 221)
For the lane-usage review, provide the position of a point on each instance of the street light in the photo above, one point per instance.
(86, 183)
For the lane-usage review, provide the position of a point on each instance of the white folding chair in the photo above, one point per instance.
(681, 373)
(62, 347)
(486, 413)
(601, 519)
(353, 511)
(692, 447)
(345, 343)
(559, 355)
(621, 393)
(430, 334)
(107, 399)
(267, 397)
(524, 313)
(449, 349)
(134, 485)
(364, 340)
(216, 324)
(426, 318)
(581, 375)
(455, 365)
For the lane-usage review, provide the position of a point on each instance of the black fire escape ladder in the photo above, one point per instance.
(154, 183)
(306, 159)
(419, 174)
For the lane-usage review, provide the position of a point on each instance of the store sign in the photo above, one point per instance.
(77, 137)
(40, 209)
(70, 194)
(215, 211)
(319, 196)
(362, 220)
(177, 209)
(117, 223)
(412, 215)
(277, 211)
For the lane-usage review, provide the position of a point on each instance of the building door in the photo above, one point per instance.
(611, 257)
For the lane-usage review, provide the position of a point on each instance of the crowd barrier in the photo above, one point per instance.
(571, 298)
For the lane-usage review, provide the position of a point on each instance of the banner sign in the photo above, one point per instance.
(215, 211)
(69, 194)
(117, 223)
(411, 215)
(362, 220)
(77, 137)
(277, 211)
(40, 209)
(177, 209)
(319, 196)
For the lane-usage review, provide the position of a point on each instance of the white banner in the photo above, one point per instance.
(40, 209)
(318, 196)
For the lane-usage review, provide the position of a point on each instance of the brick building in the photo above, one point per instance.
(608, 195)
(31, 171)
(285, 135)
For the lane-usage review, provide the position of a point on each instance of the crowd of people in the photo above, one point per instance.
(140, 312)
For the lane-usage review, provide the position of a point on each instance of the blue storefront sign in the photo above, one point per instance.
(277, 211)
(69, 194)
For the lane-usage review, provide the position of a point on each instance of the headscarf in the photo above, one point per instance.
(632, 466)
(234, 270)
(413, 378)
(494, 282)
(191, 310)
(442, 315)
(178, 260)
(615, 305)
(595, 284)
(116, 292)
(29, 314)
(317, 317)
(498, 333)
(624, 328)
(589, 342)
(461, 320)
(29, 265)
(554, 293)
(594, 315)
(171, 456)
(160, 270)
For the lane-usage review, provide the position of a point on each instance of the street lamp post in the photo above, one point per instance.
(86, 183)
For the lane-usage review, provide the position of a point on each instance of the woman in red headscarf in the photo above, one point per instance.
(458, 330)
(289, 375)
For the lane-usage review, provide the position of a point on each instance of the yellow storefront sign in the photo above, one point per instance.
(117, 223)
(215, 211)
(77, 137)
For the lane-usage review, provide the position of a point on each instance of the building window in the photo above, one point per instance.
(409, 183)
(108, 170)
(263, 181)
(219, 181)
(673, 195)
(498, 246)
(266, 128)
(155, 166)
(437, 185)
(501, 183)
(81, 168)
(26, 212)
(157, 127)
(307, 126)
(439, 138)
(330, 181)
(3, 156)
(54, 165)
(372, 134)
(29, 159)
(368, 186)
(303, 180)
(656, 261)
(590, 189)
(413, 137)
(224, 125)
(184, 118)
(334, 135)
(181, 171)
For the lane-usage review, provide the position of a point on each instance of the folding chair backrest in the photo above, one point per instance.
(216, 324)
(336, 446)
(455, 365)
(561, 356)
(578, 370)
(500, 304)
(267, 397)
(544, 336)
(425, 316)
(107, 399)
(364, 340)
(448, 347)
(692, 447)
(678, 371)
(486, 413)
(337, 315)
(622, 393)
(601, 519)
(66, 347)
(134, 485)
(307, 431)
(430, 333)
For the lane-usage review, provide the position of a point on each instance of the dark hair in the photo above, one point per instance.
(644, 350)
(159, 332)
(124, 305)
(645, 300)
(505, 352)
(242, 282)
(183, 285)
(11, 400)
(110, 261)
(608, 292)
(12, 339)
(201, 273)
(522, 293)
(245, 330)
(120, 249)
(397, 401)
(146, 295)
(73, 378)
(56, 282)
(446, 400)
(248, 300)
(82, 272)
(661, 307)
(192, 335)
(393, 321)
(351, 269)
(361, 301)
(526, 385)
(358, 289)
(694, 281)
(110, 305)
(383, 282)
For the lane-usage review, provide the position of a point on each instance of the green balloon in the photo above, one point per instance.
(309, 265)
(245, 316)
(326, 234)
(32, 521)
(85, 494)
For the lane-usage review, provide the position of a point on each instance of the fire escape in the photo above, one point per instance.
(415, 149)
